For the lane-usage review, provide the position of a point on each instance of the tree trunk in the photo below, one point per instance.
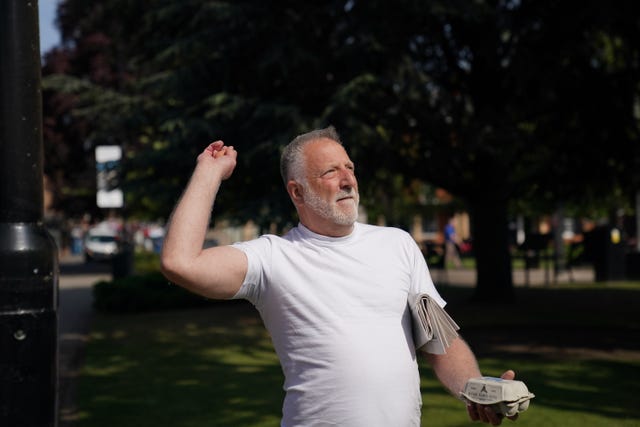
(490, 233)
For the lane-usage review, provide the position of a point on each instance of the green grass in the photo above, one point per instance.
(215, 366)
(184, 368)
(567, 394)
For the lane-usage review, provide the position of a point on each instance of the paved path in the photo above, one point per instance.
(535, 277)
(74, 323)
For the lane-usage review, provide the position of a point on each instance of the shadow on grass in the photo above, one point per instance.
(577, 350)
(603, 387)
(190, 368)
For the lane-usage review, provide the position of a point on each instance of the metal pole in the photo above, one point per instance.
(28, 256)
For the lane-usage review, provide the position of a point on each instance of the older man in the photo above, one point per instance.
(332, 292)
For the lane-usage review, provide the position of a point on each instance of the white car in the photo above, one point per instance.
(100, 244)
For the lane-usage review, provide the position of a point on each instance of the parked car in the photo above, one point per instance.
(100, 244)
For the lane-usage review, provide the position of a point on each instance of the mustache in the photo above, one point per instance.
(346, 193)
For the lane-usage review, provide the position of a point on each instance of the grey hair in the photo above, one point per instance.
(292, 161)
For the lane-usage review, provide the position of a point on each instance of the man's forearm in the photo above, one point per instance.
(454, 368)
(213, 272)
(188, 223)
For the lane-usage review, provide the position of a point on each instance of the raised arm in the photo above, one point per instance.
(216, 272)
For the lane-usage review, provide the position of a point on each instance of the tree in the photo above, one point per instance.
(500, 102)
(491, 100)
(215, 68)
(88, 59)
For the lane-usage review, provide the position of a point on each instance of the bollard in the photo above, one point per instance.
(29, 270)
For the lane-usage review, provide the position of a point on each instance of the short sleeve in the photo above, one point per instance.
(258, 252)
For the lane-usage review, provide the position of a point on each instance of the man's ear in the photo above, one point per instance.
(295, 191)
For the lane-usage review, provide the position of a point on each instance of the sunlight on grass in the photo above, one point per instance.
(216, 366)
(237, 356)
(566, 395)
(114, 365)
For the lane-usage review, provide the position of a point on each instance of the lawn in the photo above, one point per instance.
(576, 348)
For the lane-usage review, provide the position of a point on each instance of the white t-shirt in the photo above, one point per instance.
(337, 312)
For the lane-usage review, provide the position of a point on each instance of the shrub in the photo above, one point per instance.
(142, 293)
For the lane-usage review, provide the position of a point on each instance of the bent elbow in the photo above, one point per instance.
(170, 267)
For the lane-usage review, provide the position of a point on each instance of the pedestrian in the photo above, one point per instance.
(332, 292)
(451, 245)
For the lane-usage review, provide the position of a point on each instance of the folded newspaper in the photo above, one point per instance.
(433, 329)
(507, 397)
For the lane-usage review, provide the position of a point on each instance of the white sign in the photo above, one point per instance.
(109, 194)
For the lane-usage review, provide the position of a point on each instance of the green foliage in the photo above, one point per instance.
(509, 106)
(474, 91)
(489, 101)
(142, 293)
(146, 262)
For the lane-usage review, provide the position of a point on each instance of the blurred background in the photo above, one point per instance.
(515, 121)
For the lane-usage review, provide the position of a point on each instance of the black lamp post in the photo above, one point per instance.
(28, 255)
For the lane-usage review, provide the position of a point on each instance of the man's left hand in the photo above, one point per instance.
(485, 413)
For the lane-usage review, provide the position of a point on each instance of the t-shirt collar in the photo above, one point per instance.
(320, 237)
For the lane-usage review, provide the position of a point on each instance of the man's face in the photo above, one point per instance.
(330, 187)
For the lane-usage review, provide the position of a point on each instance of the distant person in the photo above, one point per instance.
(451, 245)
(332, 292)
(77, 237)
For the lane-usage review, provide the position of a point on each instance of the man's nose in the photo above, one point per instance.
(347, 179)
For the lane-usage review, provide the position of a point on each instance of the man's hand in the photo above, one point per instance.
(219, 155)
(485, 413)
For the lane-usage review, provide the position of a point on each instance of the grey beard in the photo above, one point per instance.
(329, 210)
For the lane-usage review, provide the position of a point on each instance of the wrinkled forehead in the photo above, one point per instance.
(324, 152)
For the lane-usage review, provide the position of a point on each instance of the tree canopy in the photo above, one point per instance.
(505, 104)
